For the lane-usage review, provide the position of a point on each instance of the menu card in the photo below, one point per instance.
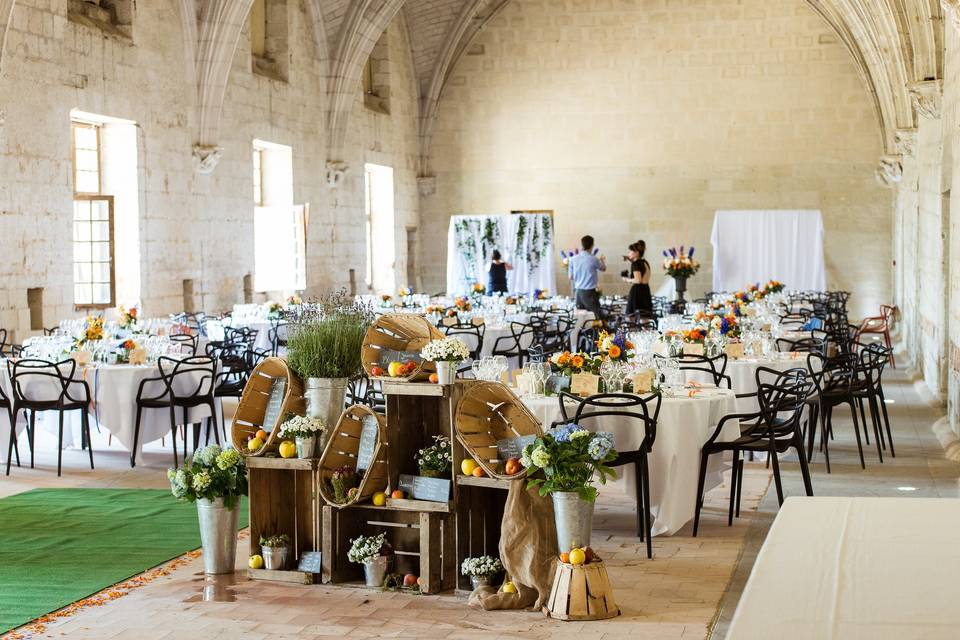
(584, 384)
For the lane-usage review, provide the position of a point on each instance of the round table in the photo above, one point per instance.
(743, 374)
(684, 425)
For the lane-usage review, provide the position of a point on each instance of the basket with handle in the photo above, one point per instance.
(399, 338)
(487, 414)
(272, 392)
(344, 450)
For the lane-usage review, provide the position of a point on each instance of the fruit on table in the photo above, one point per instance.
(434, 378)
(254, 444)
(288, 449)
(590, 555)
(397, 494)
(509, 587)
(409, 580)
(478, 472)
(377, 371)
(565, 557)
(256, 561)
(410, 366)
(467, 466)
(513, 466)
(395, 369)
(379, 499)
(261, 434)
(577, 556)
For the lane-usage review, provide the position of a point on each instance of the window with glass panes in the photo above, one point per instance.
(93, 270)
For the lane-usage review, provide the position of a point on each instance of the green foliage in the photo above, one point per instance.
(211, 473)
(569, 458)
(276, 541)
(326, 341)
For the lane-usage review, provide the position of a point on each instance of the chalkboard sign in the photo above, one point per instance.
(368, 441)
(513, 447)
(310, 561)
(278, 389)
(422, 488)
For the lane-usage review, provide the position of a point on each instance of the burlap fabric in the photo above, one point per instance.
(528, 550)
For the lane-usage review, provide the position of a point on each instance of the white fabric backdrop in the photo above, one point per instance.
(755, 246)
(531, 255)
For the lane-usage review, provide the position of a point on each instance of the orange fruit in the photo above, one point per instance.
(397, 494)
(262, 435)
(478, 472)
(434, 378)
(565, 557)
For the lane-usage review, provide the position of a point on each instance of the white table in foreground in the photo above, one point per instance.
(855, 568)
(683, 427)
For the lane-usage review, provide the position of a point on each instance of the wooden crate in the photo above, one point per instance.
(342, 448)
(479, 514)
(424, 543)
(399, 337)
(581, 592)
(251, 411)
(284, 499)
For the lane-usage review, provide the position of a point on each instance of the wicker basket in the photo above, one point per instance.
(342, 449)
(399, 337)
(252, 410)
(489, 412)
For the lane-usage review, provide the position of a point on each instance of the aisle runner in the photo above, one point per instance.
(61, 545)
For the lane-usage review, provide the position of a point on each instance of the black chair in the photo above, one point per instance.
(178, 387)
(517, 344)
(774, 429)
(715, 367)
(588, 336)
(40, 385)
(241, 335)
(873, 360)
(471, 334)
(646, 411)
(836, 380)
(278, 335)
(186, 342)
(362, 390)
(802, 345)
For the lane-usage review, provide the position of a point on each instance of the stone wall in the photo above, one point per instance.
(640, 120)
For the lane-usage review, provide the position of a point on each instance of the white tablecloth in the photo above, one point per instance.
(743, 375)
(855, 568)
(114, 389)
(683, 427)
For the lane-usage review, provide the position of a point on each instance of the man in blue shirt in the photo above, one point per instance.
(584, 272)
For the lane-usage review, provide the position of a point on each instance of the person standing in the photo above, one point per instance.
(497, 274)
(640, 300)
(584, 271)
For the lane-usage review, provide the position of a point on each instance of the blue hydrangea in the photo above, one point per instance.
(600, 445)
(562, 433)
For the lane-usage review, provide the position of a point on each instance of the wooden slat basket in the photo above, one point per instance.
(489, 412)
(399, 337)
(343, 447)
(581, 592)
(252, 411)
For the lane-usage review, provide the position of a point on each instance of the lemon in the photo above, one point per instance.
(577, 556)
(256, 561)
(509, 587)
(254, 444)
(467, 466)
(288, 449)
(379, 499)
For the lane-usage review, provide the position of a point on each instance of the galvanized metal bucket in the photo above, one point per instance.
(325, 398)
(479, 581)
(446, 372)
(274, 558)
(374, 571)
(218, 534)
(307, 447)
(573, 518)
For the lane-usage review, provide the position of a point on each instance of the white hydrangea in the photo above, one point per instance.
(302, 427)
(201, 481)
(208, 455)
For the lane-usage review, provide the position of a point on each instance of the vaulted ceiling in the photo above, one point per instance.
(897, 45)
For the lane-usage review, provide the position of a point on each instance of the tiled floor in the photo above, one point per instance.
(691, 585)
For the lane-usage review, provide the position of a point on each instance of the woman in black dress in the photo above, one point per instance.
(640, 299)
(497, 274)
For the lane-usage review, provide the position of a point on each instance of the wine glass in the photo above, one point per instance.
(500, 367)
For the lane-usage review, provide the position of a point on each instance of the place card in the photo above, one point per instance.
(310, 561)
(449, 322)
(137, 356)
(423, 488)
(478, 321)
(557, 383)
(525, 383)
(734, 350)
(368, 441)
(692, 349)
(643, 381)
(82, 358)
(584, 384)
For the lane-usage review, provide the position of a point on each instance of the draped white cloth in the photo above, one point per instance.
(525, 240)
(756, 246)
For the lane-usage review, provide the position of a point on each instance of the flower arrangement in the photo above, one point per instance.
(367, 548)
(510, 300)
(445, 350)
(570, 457)
(432, 309)
(275, 542)
(274, 309)
(566, 255)
(567, 364)
(301, 427)
(773, 286)
(344, 481)
(126, 347)
(434, 461)
(211, 473)
(462, 304)
(679, 263)
(294, 301)
(326, 340)
(726, 324)
(478, 288)
(614, 347)
(481, 567)
(405, 292)
(92, 330)
(128, 317)
(540, 294)
(695, 335)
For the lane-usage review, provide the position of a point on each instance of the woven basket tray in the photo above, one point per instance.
(489, 412)
(252, 410)
(399, 337)
(342, 449)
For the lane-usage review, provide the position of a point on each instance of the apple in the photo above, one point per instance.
(288, 449)
(590, 555)
(409, 580)
(377, 371)
(397, 494)
(256, 561)
(478, 472)
(513, 466)
(255, 444)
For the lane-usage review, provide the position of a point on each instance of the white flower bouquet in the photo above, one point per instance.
(434, 461)
(302, 427)
(367, 548)
(446, 350)
(481, 567)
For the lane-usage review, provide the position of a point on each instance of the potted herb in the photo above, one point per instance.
(275, 550)
(215, 479)
(323, 348)
(570, 457)
(344, 481)
(447, 353)
(434, 461)
(309, 434)
(481, 570)
(376, 556)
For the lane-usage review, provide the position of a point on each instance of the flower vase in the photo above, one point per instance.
(218, 534)
(325, 397)
(446, 371)
(573, 518)
(307, 447)
(680, 304)
(275, 558)
(479, 581)
(374, 571)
